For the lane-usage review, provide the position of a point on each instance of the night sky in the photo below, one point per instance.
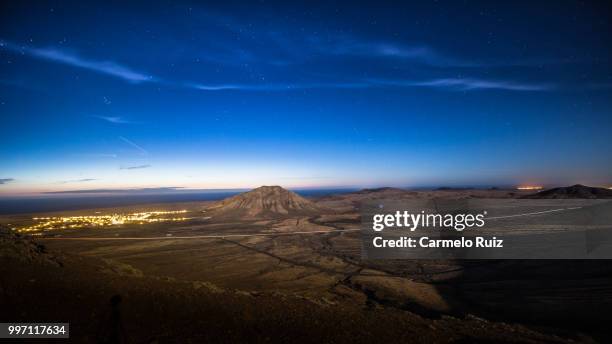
(231, 95)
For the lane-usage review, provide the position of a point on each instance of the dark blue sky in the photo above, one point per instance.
(312, 94)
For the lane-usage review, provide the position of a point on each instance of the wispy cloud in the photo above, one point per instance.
(222, 87)
(424, 54)
(272, 45)
(84, 180)
(461, 84)
(345, 46)
(469, 84)
(141, 150)
(352, 46)
(113, 119)
(137, 167)
(6, 180)
(278, 86)
(73, 59)
(285, 47)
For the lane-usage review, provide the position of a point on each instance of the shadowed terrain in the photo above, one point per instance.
(105, 299)
(574, 191)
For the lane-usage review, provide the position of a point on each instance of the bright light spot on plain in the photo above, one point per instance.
(529, 187)
(100, 221)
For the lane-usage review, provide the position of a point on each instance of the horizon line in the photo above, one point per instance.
(185, 190)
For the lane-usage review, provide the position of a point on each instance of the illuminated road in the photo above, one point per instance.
(215, 236)
(532, 214)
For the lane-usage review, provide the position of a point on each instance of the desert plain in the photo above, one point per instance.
(272, 266)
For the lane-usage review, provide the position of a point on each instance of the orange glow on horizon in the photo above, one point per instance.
(529, 187)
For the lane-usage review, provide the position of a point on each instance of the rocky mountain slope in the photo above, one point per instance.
(264, 201)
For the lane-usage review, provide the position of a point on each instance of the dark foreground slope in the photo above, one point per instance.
(103, 301)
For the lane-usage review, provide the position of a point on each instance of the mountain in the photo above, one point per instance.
(264, 201)
(574, 191)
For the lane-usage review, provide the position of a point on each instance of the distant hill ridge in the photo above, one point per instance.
(574, 191)
(263, 201)
(382, 189)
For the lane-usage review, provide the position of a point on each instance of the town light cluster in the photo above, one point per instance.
(74, 222)
(529, 187)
